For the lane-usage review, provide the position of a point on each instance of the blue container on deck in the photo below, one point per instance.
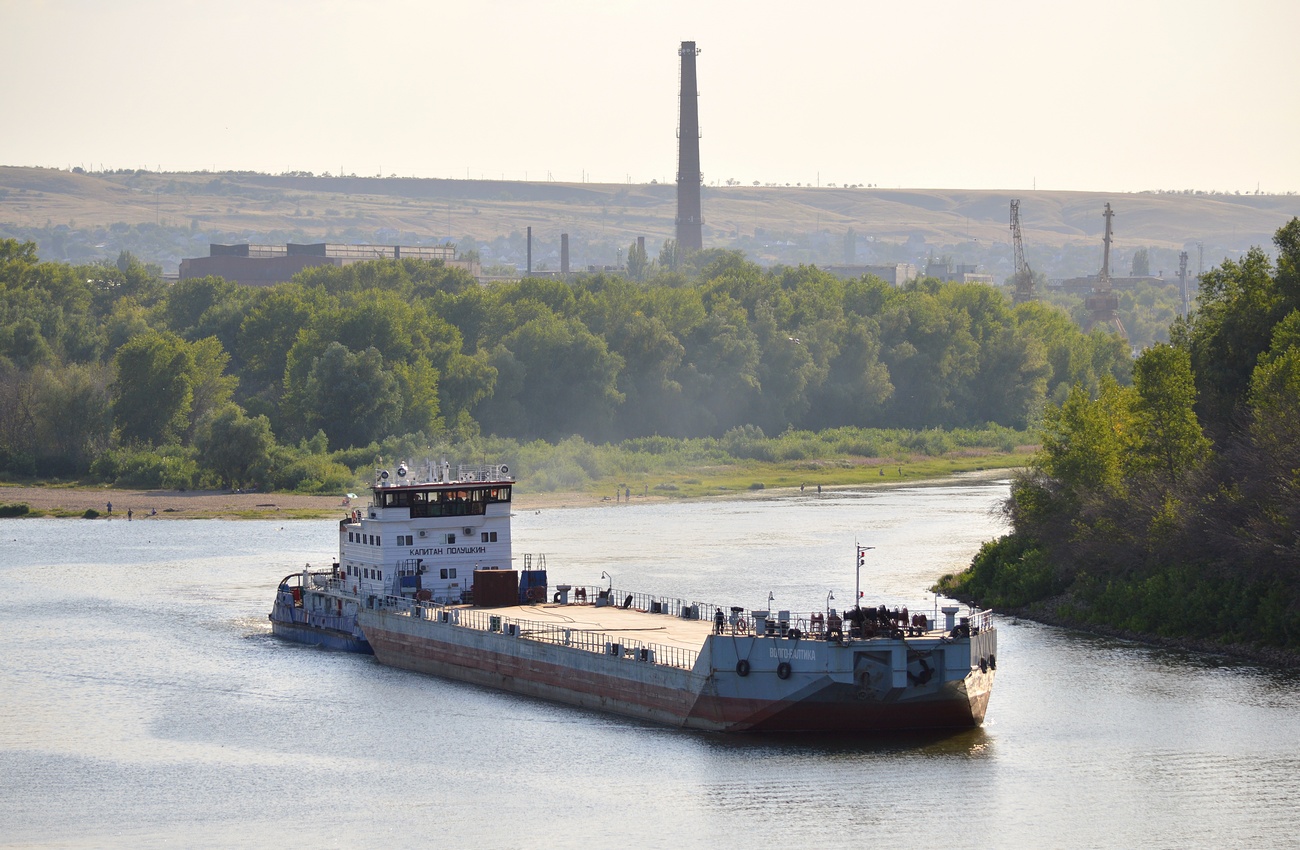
(532, 586)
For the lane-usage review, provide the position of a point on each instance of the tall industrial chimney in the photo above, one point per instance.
(690, 231)
(530, 251)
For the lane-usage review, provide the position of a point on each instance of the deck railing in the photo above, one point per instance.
(733, 622)
(485, 620)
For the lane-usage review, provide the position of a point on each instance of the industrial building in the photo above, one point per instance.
(957, 273)
(267, 265)
(894, 274)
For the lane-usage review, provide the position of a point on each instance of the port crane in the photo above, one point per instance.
(1103, 303)
(1024, 279)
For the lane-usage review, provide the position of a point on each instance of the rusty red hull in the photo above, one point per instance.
(706, 697)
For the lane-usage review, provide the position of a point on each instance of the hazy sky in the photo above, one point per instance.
(999, 94)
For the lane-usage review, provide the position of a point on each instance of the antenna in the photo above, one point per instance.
(857, 586)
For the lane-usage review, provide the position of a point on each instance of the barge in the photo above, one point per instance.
(656, 658)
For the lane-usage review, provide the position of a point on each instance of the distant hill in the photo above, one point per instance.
(771, 225)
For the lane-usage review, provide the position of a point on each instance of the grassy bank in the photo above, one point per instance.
(73, 499)
(751, 476)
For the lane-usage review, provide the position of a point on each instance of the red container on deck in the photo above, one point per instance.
(496, 588)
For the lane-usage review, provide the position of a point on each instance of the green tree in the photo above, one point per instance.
(786, 373)
(189, 299)
(1239, 305)
(857, 384)
(153, 392)
(1166, 438)
(570, 383)
(351, 397)
(19, 434)
(467, 381)
(75, 414)
(210, 386)
(1083, 442)
(637, 262)
(930, 353)
(651, 357)
(720, 373)
(669, 255)
(1141, 263)
(234, 446)
(418, 383)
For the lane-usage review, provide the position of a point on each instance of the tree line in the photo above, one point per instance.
(1169, 506)
(107, 371)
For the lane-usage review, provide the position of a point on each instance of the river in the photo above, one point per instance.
(144, 703)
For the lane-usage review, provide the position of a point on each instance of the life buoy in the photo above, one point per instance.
(742, 668)
(504, 469)
(556, 597)
(783, 670)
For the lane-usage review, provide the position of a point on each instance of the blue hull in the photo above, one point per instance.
(325, 638)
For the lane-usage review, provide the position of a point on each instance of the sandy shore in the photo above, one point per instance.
(222, 504)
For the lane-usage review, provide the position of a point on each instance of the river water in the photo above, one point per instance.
(143, 703)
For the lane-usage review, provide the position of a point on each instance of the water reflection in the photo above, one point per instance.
(145, 703)
(966, 744)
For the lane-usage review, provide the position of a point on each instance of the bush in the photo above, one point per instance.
(15, 509)
(168, 468)
(931, 443)
(1006, 573)
(747, 442)
(559, 474)
(90, 513)
(313, 474)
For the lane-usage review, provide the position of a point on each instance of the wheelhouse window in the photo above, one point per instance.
(465, 501)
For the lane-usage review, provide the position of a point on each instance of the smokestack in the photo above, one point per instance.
(690, 230)
(530, 251)
(564, 253)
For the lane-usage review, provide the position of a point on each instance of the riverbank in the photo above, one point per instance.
(214, 504)
(76, 501)
(1264, 655)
